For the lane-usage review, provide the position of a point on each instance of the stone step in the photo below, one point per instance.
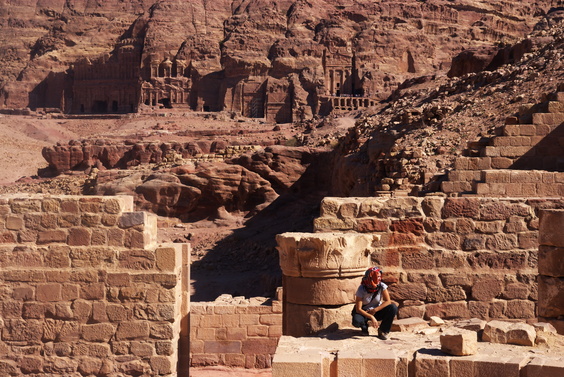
(464, 175)
(449, 187)
(520, 189)
(555, 107)
(551, 119)
(473, 163)
(515, 141)
(521, 176)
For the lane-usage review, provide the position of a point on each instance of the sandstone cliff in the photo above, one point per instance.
(284, 60)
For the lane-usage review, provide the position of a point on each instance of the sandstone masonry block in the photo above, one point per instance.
(459, 342)
(509, 333)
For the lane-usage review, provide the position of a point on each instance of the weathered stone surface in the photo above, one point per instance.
(549, 228)
(304, 320)
(551, 260)
(324, 255)
(459, 342)
(509, 333)
(551, 296)
(312, 291)
(409, 324)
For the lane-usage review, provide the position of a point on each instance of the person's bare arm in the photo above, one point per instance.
(386, 301)
(358, 307)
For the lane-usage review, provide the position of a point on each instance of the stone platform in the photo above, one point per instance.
(346, 353)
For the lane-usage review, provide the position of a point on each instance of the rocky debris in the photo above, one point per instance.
(459, 342)
(509, 333)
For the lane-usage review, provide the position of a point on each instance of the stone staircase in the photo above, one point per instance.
(523, 159)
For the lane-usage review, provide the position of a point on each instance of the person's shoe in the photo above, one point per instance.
(364, 331)
(382, 335)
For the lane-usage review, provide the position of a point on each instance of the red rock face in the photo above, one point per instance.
(282, 60)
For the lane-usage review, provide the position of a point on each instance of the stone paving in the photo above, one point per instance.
(414, 354)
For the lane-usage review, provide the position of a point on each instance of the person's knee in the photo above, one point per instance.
(393, 309)
(358, 320)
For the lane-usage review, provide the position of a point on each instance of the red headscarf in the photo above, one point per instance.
(370, 281)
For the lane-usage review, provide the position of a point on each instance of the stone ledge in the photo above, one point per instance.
(406, 354)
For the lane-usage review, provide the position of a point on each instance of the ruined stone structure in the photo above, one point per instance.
(524, 159)
(243, 335)
(87, 290)
(445, 257)
(406, 355)
(551, 268)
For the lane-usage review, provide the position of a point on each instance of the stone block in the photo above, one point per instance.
(161, 365)
(493, 365)
(520, 309)
(270, 319)
(79, 237)
(436, 321)
(380, 362)
(509, 333)
(501, 162)
(409, 324)
(90, 366)
(100, 332)
(304, 320)
(50, 292)
(549, 228)
(448, 310)
(168, 258)
(551, 261)
(222, 346)
(551, 296)
(161, 331)
(316, 291)
(258, 346)
(459, 342)
(350, 363)
(431, 363)
(52, 236)
(409, 291)
(31, 364)
(94, 291)
(545, 367)
(132, 330)
(292, 365)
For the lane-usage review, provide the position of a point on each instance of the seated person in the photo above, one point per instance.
(373, 303)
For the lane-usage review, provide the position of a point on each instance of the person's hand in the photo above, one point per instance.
(374, 322)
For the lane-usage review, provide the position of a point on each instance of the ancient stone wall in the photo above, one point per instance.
(86, 290)
(551, 268)
(235, 334)
(448, 257)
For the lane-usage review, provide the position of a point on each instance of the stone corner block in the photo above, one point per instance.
(169, 257)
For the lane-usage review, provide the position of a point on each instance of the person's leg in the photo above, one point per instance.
(358, 320)
(387, 316)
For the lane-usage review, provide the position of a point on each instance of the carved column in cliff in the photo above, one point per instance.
(321, 273)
